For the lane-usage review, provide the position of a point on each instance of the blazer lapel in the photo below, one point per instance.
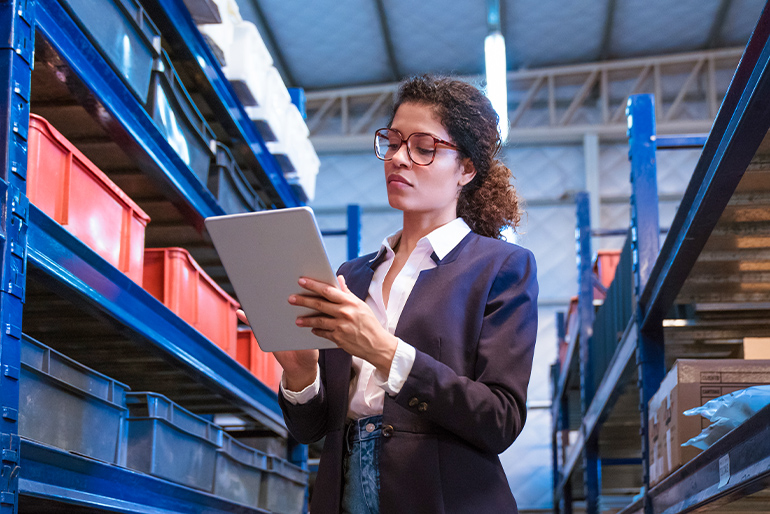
(428, 282)
(358, 280)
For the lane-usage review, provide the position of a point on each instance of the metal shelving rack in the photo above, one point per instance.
(698, 296)
(75, 301)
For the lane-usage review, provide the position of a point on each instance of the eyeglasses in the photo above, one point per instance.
(420, 146)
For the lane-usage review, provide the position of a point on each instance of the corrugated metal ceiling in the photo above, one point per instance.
(323, 44)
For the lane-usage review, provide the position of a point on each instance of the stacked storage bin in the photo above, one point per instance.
(69, 406)
(172, 276)
(249, 68)
(126, 37)
(262, 364)
(67, 186)
(179, 120)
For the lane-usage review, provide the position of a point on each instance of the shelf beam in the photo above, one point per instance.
(55, 475)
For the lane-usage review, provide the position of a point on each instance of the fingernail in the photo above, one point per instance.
(292, 299)
(302, 281)
(299, 321)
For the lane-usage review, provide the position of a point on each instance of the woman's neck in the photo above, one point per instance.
(415, 228)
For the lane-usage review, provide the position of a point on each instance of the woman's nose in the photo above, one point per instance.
(401, 157)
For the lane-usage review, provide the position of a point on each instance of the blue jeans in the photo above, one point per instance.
(361, 466)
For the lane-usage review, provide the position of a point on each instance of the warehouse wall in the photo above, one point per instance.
(546, 177)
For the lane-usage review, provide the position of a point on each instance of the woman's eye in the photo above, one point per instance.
(425, 151)
(393, 146)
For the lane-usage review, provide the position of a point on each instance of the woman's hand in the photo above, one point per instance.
(299, 366)
(346, 321)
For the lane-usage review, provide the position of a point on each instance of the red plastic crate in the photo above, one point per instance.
(263, 365)
(604, 267)
(172, 276)
(68, 187)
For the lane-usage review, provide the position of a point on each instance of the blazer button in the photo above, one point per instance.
(413, 402)
(422, 407)
(387, 430)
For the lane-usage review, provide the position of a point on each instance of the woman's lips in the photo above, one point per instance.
(399, 179)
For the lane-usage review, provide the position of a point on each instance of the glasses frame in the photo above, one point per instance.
(436, 141)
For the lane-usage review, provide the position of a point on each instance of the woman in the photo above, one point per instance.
(435, 332)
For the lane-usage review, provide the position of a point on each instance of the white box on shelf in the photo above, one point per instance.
(269, 115)
(293, 131)
(247, 63)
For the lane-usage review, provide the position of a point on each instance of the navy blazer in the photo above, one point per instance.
(473, 322)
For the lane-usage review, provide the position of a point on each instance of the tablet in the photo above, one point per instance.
(264, 254)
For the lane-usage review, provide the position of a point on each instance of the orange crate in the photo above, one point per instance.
(68, 187)
(263, 365)
(172, 276)
(604, 267)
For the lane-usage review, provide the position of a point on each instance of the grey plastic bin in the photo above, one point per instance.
(125, 36)
(229, 185)
(167, 441)
(283, 487)
(239, 472)
(67, 405)
(179, 120)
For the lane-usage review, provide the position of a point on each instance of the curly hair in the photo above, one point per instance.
(489, 202)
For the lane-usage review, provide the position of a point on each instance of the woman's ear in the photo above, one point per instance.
(469, 171)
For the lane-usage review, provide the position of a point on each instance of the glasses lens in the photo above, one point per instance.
(386, 143)
(422, 148)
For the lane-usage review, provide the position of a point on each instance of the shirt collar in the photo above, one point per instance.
(442, 240)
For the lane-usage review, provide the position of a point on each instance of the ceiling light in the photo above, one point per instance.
(496, 67)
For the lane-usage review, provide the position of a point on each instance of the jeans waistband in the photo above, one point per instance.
(363, 428)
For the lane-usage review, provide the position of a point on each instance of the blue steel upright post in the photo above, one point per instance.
(354, 231)
(17, 24)
(645, 231)
(591, 470)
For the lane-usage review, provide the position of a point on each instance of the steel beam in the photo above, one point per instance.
(543, 114)
(591, 470)
(387, 41)
(609, 23)
(645, 231)
(354, 231)
(17, 22)
(73, 481)
(715, 32)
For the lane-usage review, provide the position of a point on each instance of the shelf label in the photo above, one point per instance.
(724, 470)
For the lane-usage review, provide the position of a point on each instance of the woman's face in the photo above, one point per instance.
(429, 190)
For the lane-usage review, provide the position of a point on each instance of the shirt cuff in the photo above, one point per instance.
(304, 396)
(400, 368)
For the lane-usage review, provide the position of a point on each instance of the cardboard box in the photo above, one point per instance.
(756, 348)
(689, 384)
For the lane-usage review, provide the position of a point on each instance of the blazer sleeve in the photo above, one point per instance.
(307, 422)
(488, 412)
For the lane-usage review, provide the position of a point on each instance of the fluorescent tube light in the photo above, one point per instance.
(497, 83)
